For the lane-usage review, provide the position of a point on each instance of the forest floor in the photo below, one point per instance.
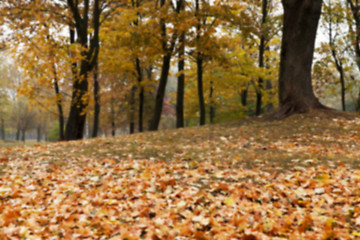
(296, 178)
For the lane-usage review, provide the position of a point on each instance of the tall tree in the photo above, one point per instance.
(168, 45)
(96, 102)
(81, 14)
(181, 77)
(334, 19)
(354, 25)
(262, 47)
(296, 95)
(199, 63)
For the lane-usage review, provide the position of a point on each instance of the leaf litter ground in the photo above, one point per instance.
(292, 179)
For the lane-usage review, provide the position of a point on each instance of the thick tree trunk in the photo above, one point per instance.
(154, 124)
(76, 121)
(90, 50)
(180, 84)
(96, 102)
(296, 95)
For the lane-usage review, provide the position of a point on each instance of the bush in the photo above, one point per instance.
(54, 134)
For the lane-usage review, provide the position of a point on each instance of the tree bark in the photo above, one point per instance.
(180, 83)
(199, 65)
(337, 59)
(339, 67)
(181, 77)
(18, 133)
(296, 95)
(200, 87)
(141, 95)
(244, 94)
(79, 102)
(113, 128)
(154, 125)
(23, 135)
(39, 133)
(132, 110)
(212, 103)
(262, 47)
(168, 49)
(59, 106)
(355, 10)
(270, 105)
(96, 102)
(3, 129)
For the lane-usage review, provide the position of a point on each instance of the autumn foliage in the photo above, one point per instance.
(222, 183)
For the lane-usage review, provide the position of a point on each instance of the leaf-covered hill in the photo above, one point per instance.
(291, 179)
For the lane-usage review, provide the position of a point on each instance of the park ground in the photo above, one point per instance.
(296, 178)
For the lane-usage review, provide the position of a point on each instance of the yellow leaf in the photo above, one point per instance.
(229, 201)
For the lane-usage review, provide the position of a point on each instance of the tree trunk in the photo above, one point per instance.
(154, 124)
(181, 84)
(200, 87)
(96, 102)
(296, 95)
(212, 103)
(18, 133)
(244, 94)
(270, 105)
(181, 78)
(59, 105)
(112, 116)
(113, 128)
(3, 129)
(354, 6)
(132, 110)
(343, 89)
(23, 135)
(76, 121)
(141, 95)
(90, 50)
(262, 47)
(199, 64)
(336, 57)
(39, 133)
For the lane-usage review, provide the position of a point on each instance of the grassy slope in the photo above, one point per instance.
(301, 140)
(129, 185)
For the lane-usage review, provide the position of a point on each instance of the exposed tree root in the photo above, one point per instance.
(293, 107)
